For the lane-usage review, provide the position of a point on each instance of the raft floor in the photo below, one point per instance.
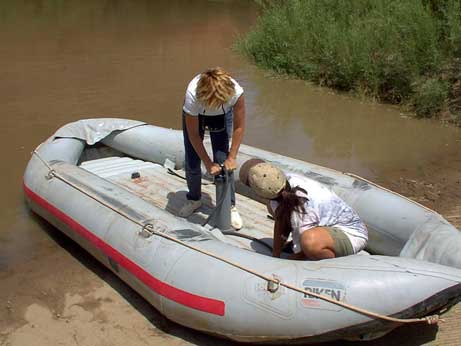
(168, 191)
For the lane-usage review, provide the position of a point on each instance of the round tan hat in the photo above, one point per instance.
(266, 180)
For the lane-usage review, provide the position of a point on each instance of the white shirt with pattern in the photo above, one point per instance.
(324, 209)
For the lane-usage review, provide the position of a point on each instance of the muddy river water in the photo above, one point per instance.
(65, 60)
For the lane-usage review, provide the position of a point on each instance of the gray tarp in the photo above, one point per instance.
(94, 130)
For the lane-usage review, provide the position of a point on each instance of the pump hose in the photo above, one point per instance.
(218, 204)
(223, 196)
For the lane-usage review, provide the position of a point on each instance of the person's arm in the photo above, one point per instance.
(270, 209)
(192, 126)
(278, 242)
(237, 134)
(297, 256)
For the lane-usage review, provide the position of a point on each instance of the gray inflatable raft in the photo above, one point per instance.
(105, 183)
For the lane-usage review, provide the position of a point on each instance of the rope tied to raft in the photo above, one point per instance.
(273, 283)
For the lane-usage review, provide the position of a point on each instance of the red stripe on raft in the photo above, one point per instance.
(193, 301)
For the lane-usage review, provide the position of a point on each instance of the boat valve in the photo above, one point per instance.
(51, 174)
(273, 285)
(147, 230)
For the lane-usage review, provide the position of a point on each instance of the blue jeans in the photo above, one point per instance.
(220, 147)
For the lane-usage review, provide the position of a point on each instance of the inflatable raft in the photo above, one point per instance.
(107, 184)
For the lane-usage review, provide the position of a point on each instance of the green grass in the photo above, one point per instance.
(398, 51)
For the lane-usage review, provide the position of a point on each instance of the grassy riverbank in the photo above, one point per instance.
(404, 52)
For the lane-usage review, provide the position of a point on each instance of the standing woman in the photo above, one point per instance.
(321, 224)
(214, 101)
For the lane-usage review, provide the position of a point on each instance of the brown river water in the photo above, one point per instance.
(66, 60)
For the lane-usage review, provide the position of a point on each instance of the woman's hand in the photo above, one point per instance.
(230, 164)
(213, 168)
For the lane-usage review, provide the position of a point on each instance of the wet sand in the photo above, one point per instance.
(88, 59)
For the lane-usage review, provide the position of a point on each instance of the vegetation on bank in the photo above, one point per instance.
(399, 51)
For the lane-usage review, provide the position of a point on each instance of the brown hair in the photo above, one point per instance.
(215, 88)
(289, 202)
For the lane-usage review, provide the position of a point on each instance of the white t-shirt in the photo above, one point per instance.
(325, 209)
(193, 106)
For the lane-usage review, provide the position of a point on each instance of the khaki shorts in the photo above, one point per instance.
(343, 246)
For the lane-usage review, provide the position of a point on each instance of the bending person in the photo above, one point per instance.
(321, 224)
(214, 101)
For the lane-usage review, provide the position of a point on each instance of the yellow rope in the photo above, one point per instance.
(433, 319)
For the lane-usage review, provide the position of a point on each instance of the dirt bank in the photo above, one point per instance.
(436, 185)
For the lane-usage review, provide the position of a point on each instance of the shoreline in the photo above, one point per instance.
(436, 185)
